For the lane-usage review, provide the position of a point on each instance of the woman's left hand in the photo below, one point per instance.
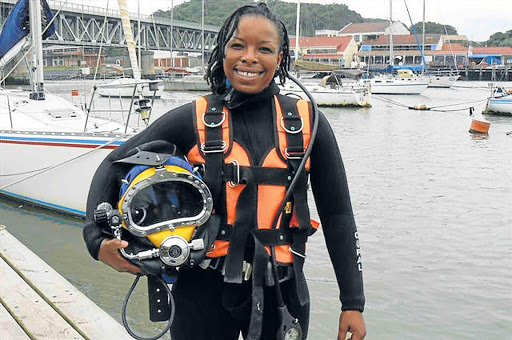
(352, 321)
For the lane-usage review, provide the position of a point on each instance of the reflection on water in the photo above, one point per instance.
(433, 205)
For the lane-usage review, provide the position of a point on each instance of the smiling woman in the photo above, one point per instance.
(256, 148)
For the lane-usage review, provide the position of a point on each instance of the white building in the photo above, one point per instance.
(372, 30)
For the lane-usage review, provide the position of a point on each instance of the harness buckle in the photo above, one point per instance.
(234, 183)
(292, 130)
(293, 155)
(212, 124)
(213, 149)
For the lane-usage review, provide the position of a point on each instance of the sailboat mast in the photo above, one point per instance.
(391, 32)
(297, 31)
(423, 38)
(37, 50)
(172, 24)
(128, 34)
(202, 36)
(139, 41)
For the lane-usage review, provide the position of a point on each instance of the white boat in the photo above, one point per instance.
(500, 102)
(50, 148)
(330, 91)
(123, 87)
(325, 93)
(442, 80)
(403, 83)
(186, 83)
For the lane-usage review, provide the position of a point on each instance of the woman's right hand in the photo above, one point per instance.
(109, 254)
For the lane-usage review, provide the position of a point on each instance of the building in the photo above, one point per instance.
(439, 50)
(491, 56)
(163, 59)
(329, 50)
(372, 30)
(72, 56)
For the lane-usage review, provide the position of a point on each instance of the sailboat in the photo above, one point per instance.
(50, 148)
(439, 79)
(123, 87)
(500, 101)
(405, 82)
(330, 91)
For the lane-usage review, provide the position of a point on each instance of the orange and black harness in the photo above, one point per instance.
(250, 197)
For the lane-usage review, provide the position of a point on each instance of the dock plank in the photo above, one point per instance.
(78, 310)
(9, 328)
(38, 318)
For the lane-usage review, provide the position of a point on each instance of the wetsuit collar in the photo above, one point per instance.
(235, 99)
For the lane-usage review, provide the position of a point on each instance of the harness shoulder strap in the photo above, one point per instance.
(214, 141)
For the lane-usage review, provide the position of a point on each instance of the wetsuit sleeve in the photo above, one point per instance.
(330, 189)
(176, 126)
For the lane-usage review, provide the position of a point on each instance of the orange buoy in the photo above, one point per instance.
(479, 127)
(74, 93)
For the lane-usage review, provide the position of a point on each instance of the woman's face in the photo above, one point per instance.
(252, 55)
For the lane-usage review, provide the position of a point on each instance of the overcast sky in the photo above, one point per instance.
(477, 19)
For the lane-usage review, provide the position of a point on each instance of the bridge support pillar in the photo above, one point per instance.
(147, 64)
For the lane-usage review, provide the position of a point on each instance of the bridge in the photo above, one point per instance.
(83, 25)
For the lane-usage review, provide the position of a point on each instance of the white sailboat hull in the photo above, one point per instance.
(413, 86)
(46, 157)
(339, 96)
(27, 173)
(499, 105)
(443, 81)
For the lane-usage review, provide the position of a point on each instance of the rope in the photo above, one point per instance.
(62, 163)
(105, 23)
(125, 305)
(434, 108)
(476, 101)
(389, 101)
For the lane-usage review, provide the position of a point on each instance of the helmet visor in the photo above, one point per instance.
(166, 202)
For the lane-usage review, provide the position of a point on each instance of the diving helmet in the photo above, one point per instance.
(163, 199)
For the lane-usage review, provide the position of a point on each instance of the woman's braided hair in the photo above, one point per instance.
(215, 71)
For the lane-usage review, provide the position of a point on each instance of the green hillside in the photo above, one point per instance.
(313, 16)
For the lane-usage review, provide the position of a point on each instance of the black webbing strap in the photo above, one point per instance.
(299, 247)
(238, 174)
(213, 150)
(294, 153)
(159, 306)
(267, 237)
(245, 219)
(259, 263)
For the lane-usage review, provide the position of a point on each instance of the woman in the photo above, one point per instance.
(252, 49)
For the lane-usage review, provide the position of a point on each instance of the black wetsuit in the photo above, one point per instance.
(198, 293)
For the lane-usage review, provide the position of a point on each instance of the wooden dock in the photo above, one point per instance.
(38, 303)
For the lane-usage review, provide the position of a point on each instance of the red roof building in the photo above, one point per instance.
(332, 50)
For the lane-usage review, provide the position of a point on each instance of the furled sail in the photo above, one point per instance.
(14, 35)
(128, 35)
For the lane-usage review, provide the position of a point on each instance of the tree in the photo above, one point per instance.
(500, 39)
(434, 28)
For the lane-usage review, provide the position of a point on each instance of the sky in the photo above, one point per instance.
(477, 19)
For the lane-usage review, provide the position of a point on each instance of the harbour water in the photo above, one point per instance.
(433, 206)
